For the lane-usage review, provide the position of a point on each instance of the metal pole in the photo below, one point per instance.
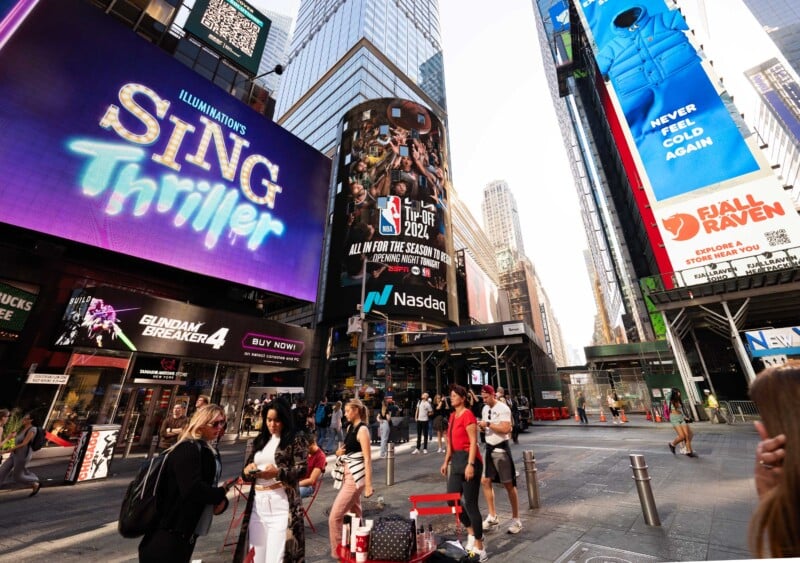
(153, 446)
(131, 436)
(642, 478)
(359, 359)
(389, 464)
(530, 479)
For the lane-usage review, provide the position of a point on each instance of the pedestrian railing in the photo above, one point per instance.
(745, 410)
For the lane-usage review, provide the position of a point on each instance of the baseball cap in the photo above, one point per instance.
(487, 389)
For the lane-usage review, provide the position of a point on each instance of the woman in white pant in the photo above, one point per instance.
(276, 529)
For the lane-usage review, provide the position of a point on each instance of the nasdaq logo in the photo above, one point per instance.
(377, 298)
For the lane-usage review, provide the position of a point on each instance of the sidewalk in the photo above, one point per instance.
(589, 507)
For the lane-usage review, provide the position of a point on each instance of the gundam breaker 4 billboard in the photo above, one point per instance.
(716, 203)
(391, 216)
(107, 140)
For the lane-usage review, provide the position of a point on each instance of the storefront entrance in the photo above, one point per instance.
(140, 412)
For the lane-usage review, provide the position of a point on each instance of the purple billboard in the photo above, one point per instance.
(108, 141)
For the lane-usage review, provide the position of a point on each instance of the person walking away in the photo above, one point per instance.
(322, 420)
(775, 523)
(278, 463)
(336, 424)
(316, 464)
(422, 414)
(441, 414)
(713, 406)
(465, 465)
(353, 472)
(172, 427)
(679, 419)
(582, 408)
(188, 495)
(384, 417)
(499, 463)
(17, 464)
(612, 399)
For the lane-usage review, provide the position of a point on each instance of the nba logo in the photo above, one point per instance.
(391, 215)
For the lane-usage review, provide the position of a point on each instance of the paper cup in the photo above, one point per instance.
(362, 544)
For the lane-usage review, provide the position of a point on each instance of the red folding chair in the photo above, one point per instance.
(311, 499)
(444, 503)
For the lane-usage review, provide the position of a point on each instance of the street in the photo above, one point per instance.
(589, 505)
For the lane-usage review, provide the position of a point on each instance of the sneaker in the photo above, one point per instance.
(439, 451)
(415, 452)
(470, 545)
(424, 451)
(480, 554)
(491, 521)
(671, 448)
(515, 527)
(691, 454)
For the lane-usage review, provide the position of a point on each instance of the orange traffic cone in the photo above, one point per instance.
(602, 416)
(658, 417)
(622, 416)
(577, 417)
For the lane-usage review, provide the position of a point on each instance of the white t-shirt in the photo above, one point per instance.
(498, 413)
(424, 410)
(265, 457)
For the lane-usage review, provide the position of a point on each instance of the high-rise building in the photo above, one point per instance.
(345, 52)
(501, 217)
(275, 51)
(781, 20)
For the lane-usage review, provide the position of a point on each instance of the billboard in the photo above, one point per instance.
(232, 28)
(108, 141)
(713, 199)
(780, 92)
(482, 293)
(119, 320)
(16, 301)
(391, 217)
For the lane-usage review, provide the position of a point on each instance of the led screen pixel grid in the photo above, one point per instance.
(125, 149)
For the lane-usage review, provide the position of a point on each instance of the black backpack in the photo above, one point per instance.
(37, 443)
(139, 512)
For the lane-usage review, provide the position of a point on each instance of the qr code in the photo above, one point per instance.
(777, 238)
(224, 19)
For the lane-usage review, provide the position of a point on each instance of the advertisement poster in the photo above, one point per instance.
(152, 160)
(118, 320)
(91, 458)
(391, 216)
(16, 302)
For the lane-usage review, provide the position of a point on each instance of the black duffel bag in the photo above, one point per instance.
(393, 538)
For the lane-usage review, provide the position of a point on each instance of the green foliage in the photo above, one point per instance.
(10, 430)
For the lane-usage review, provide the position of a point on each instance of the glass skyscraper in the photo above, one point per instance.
(347, 51)
(781, 20)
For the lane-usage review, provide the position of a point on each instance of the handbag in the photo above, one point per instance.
(393, 538)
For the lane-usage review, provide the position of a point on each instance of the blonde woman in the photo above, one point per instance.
(191, 496)
(775, 524)
(353, 473)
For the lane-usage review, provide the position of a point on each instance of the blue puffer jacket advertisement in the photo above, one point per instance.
(683, 132)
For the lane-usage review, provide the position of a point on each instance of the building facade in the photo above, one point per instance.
(501, 218)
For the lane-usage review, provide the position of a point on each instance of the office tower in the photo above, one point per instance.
(501, 217)
(275, 51)
(345, 52)
(781, 20)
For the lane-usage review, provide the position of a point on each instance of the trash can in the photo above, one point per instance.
(91, 458)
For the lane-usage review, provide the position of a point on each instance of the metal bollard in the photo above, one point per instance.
(389, 464)
(642, 478)
(530, 479)
(153, 447)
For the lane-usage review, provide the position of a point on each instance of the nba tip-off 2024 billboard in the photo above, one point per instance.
(391, 215)
(107, 140)
(717, 205)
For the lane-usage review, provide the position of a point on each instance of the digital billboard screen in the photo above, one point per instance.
(107, 140)
(232, 28)
(391, 217)
(482, 293)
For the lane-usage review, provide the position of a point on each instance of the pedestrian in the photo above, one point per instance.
(336, 424)
(202, 401)
(422, 414)
(441, 414)
(430, 418)
(353, 472)
(582, 408)
(173, 426)
(315, 467)
(498, 467)
(188, 493)
(277, 464)
(384, 418)
(322, 421)
(775, 524)
(17, 464)
(465, 467)
(680, 418)
(614, 404)
(713, 406)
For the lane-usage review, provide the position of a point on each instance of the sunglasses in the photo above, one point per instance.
(217, 424)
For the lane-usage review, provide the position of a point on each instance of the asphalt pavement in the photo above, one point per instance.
(588, 501)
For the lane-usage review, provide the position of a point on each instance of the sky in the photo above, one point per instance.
(502, 126)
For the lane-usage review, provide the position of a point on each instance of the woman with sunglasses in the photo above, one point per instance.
(21, 453)
(274, 518)
(188, 496)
